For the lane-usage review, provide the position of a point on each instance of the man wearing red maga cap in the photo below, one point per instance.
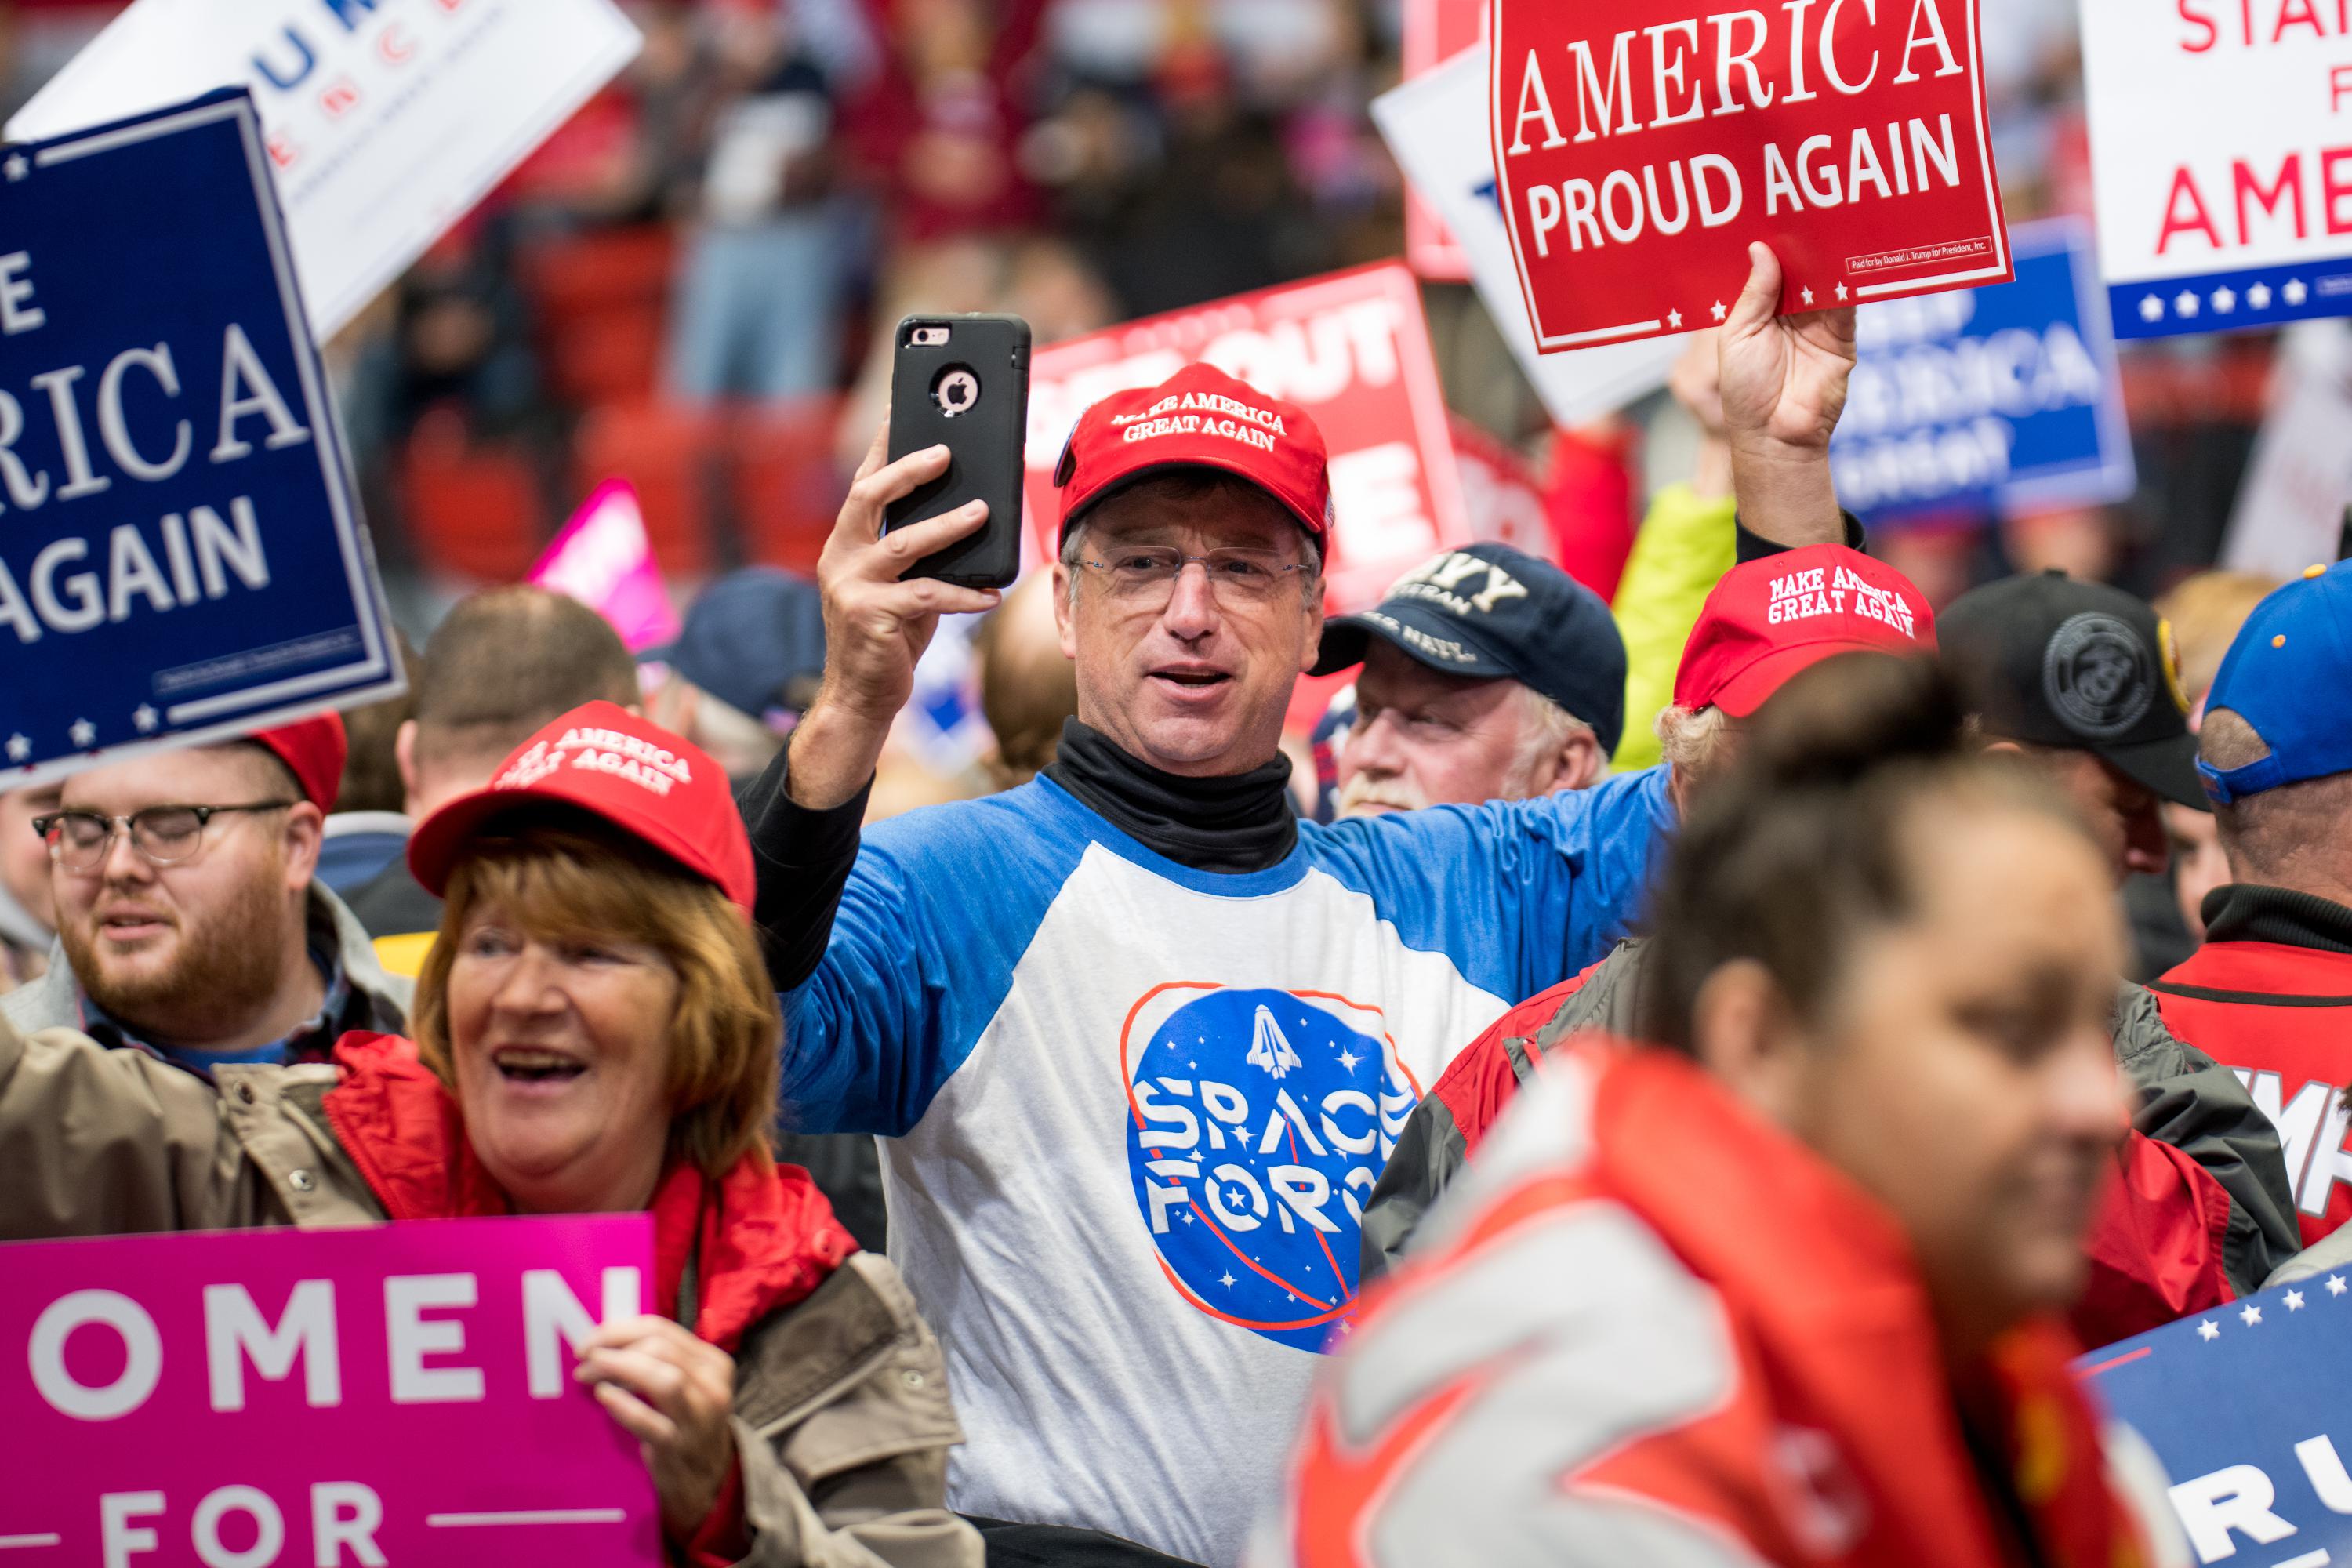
(2185, 1228)
(604, 760)
(190, 924)
(1767, 621)
(1138, 1040)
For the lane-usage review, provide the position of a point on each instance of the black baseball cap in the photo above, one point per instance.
(2053, 661)
(1490, 612)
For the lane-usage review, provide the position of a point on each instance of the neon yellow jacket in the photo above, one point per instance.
(1683, 549)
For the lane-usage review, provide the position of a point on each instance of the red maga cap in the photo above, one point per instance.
(606, 761)
(1199, 417)
(316, 750)
(1768, 619)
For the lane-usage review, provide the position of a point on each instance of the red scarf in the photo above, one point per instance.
(762, 1236)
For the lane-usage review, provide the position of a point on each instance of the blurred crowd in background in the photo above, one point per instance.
(690, 286)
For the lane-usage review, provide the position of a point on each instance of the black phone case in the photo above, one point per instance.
(984, 441)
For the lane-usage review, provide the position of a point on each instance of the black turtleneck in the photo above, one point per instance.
(1242, 822)
(2242, 912)
(1236, 822)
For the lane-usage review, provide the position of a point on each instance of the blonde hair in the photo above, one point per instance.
(563, 874)
(1691, 740)
(2206, 612)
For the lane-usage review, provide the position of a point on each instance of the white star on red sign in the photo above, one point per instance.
(1842, 293)
(1719, 311)
(1673, 318)
(1806, 295)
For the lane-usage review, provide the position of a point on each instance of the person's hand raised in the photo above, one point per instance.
(1783, 384)
(876, 622)
(1696, 381)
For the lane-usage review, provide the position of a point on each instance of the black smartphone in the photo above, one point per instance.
(963, 382)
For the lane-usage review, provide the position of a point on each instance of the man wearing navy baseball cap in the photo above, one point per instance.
(1488, 674)
(2270, 993)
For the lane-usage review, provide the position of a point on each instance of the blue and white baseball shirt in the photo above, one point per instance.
(1133, 1108)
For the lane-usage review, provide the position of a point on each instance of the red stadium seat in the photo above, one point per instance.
(786, 485)
(670, 454)
(473, 511)
(601, 303)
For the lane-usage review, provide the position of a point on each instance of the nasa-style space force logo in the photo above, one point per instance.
(1257, 1123)
(2098, 674)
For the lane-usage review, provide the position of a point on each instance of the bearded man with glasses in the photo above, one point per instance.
(1138, 1041)
(189, 925)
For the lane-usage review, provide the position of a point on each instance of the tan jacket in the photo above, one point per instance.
(843, 1420)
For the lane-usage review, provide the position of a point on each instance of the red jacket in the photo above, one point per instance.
(1652, 1327)
(2197, 1217)
(2269, 996)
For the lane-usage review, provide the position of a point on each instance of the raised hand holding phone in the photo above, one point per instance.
(962, 383)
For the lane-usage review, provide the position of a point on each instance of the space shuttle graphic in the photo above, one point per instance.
(1269, 1047)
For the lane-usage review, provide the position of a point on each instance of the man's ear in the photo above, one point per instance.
(1064, 627)
(1744, 1036)
(305, 828)
(1314, 609)
(1678, 789)
(404, 757)
(1578, 764)
(674, 704)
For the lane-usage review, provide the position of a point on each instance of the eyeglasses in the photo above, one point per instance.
(80, 840)
(1145, 575)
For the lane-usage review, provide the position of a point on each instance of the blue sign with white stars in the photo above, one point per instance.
(180, 554)
(2249, 1407)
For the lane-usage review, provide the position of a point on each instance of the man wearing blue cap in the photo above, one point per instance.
(744, 666)
(1488, 674)
(2270, 993)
